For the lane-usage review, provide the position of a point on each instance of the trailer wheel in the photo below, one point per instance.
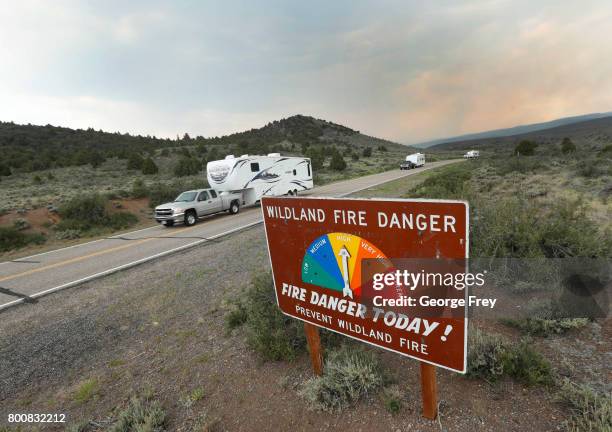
(295, 192)
(234, 207)
(290, 193)
(190, 218)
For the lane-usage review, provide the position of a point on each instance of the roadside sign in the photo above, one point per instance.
(319, 250)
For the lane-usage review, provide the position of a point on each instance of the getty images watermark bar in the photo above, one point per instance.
(486, 288)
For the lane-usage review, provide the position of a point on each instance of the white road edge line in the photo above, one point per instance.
(168, 252)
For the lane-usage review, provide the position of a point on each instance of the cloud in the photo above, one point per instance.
(403, 71)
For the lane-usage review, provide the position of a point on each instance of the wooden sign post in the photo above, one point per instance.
(330, 257)
(429, 391)
(314, 346)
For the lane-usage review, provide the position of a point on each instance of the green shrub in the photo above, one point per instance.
(91, 209)
(187, 166)
(516, 228)
(12, 238)
(84, 213)
(141, 415)
(68, 234)
(450, 182)
(527, 365)
(567, 146)
(349, 374)
(516, 164)
(236, 317)
(87, 390)
(21, 224)
(606, 150)
(367, 152)
(337, 162)
(486, 353)
(566, 231)
(189, 400)
(4, 170)
(491, 357)
(270, 333)
(135, 162)
(546, 318)
(392, 399)
(590, 410)
(139, 189)
(593, 168)
(316, 158)
(525, 148)
(149, 167)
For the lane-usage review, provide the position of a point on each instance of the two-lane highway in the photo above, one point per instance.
(26, 279)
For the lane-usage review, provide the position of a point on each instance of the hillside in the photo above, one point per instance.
(28, 148)
(594, 133)
(516, 130)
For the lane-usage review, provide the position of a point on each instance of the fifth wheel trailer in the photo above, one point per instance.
(414, 160)
(257, 176)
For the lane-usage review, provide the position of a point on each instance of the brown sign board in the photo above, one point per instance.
(319, 250)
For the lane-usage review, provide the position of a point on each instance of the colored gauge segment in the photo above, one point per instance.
(334, 261)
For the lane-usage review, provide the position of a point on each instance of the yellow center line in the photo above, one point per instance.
(84, 257)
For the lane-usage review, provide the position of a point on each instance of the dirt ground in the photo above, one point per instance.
(42, 219)
(160, 327)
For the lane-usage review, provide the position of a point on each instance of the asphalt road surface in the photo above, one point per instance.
(25, 279)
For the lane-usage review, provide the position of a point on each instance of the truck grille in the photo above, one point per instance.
(163, 212)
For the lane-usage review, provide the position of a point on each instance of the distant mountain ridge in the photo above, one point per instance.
(27, 148)
(593, 133)
(516, 130)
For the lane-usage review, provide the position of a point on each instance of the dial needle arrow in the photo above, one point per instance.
(344, 253)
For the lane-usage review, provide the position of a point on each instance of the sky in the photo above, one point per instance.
(407, 71)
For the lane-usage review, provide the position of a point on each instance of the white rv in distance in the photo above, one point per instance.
(257, 176)
(414, 160)
(472, 154)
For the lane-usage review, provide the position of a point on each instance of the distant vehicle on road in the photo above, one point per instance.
(414, 160)
(191, 205)
(472, 154)
(257, 176)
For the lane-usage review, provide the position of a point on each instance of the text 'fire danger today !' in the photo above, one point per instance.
(340, 263)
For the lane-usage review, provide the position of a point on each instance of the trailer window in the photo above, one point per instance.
(255, 167)
(213, 193)
(308, 169)
(294, 172)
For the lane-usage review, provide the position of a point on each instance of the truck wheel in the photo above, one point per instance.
(234, 207)
(190, 218)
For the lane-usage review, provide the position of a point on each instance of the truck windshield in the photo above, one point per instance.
(186, 197)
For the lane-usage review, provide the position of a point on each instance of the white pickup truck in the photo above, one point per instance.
(191, 205)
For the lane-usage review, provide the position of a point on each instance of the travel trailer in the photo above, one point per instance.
(413, 161)
(472, 154)
(257, 176)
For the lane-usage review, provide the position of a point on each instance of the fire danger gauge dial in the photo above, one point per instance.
(334, 261)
